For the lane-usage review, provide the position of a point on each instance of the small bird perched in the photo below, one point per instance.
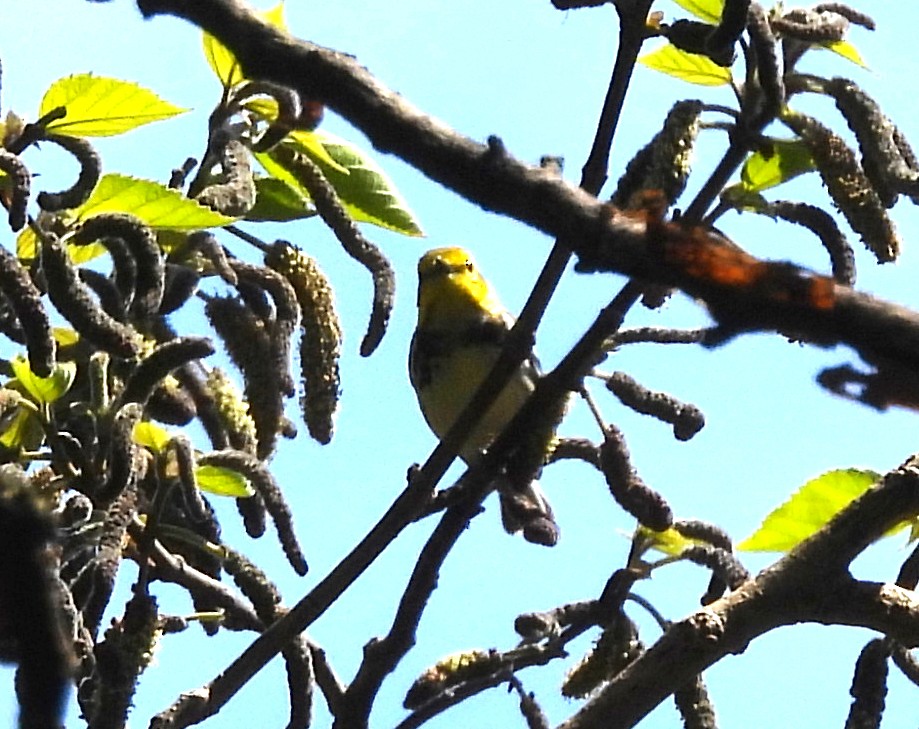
(462, 327)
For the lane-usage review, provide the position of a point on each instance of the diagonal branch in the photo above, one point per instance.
(487, 175)
(810, 584)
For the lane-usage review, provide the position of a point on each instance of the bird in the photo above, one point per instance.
(461, 329)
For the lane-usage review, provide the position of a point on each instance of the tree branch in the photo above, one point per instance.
(810, 584)
(606, 238)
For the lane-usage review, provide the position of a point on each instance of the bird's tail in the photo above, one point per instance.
(526, 509)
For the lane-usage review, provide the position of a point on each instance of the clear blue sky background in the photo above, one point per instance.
(536, 77)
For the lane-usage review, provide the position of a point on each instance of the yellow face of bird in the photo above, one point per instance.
(450, 286)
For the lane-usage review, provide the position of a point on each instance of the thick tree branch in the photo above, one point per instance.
(810, 584)
(490, 177)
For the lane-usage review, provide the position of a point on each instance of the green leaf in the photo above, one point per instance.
(846, 50)
(27, 248)
(152, 436)
(789, 158)
(102, 107)
(690, 67)
(83, 254)
(364, 189)
(223, 481)
(302, 140)
(223, 62)
(156, 205)
(808, 510)
(311, 143)
(44, 390)
(278, 201)
(707, 10)
(26, 244)
(25, 432)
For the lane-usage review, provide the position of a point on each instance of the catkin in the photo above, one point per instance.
(20, 185)
(82, 188)
(248, 344)
(263, 481)
(141, 242)
(232, 410)
(167, 357)
(76, 304)
(25, 300)
(617, 647)
(334, 215)
(664, 163)
(320, 344)
(449, 672)
(849, 188)
(286, 315)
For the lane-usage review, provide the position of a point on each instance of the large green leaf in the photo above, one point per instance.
(311, 143)
(367, 193)
(707, 10)
(223, 481)
(808, 510)
(155, 204)
(690, 67)
(787, 158)
(44, 390)
(102, 107)
(278, 201)
(223, 62)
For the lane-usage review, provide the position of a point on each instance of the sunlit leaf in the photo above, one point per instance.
(669, 541)
(26, 244)
(786, 158)
(846, 50)
(64, 336)
(808, 510)
(155, 204)
(44, 390)
(223, 481)
(367, 193)
(690, 67)
(102, 107)
(27, 247)
(707, 10)
(278, 201)
(171, 240)
(311, 143)
(301, 140)
(223, 62)
(151, 435)
(24, 432)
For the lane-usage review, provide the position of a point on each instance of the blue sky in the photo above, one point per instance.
(535, 77)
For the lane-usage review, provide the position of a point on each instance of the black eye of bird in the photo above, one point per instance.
(469, 266)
